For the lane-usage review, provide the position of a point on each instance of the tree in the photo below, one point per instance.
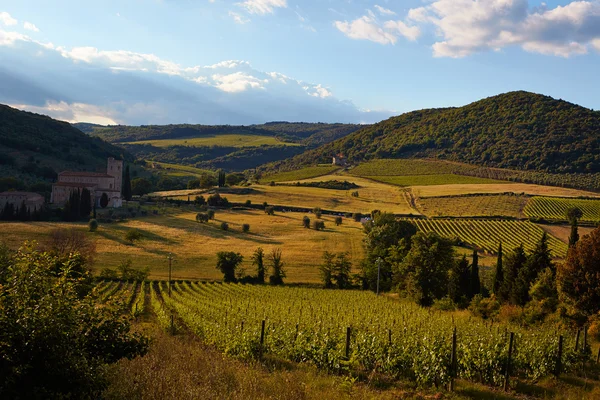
(103, 200)
(132, 235)
(513, 263)
(127, 185)
(270, 210)
(327, 269)
(93, 225)
(574, 235)
(200, 200)
(246, 228)
(221, 178)
(216, 200)
(498, 278)
(317, 211)
(258, 261)
(574, 214)
(538, 261)
(86, 203)
(193, 184)
(202, 218)
(474, 281)
(424, 271)
(319, 225)
(234, 179)
(357, 217)
(62, 242)
(227, 263)
(338, 221)
(306, 222)
(277, 271)
(207, 181)
(224, 226)
(578, 278)
(54, 339)
(459, 280)
(341, 271)
(141, 186)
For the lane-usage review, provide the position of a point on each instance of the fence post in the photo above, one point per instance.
(262, 336)
(453, 361)
(559, 360)
(507, 372)
(347, 343)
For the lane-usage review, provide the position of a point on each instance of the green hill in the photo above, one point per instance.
(517, 130)
(34, 148)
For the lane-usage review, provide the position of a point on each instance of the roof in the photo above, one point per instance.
(84, 173)
(75, 184)
(28, 194)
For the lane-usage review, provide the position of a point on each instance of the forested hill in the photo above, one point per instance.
(516, 130)
(309, 134)
(35, 147)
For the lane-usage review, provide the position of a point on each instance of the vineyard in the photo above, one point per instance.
(556, 208)
(344, 331)
(486, 235)
(507, 205)
(299, 174)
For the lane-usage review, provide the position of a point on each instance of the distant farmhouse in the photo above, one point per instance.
(340, 160)
(97, 183)
(32, 201)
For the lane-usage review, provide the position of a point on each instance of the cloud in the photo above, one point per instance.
(30, 27)
(262, 6)
(9, 38)
(596, 44)
(238, 18)
(238, 82)
(468, 27)
(6, 19)
(319, 91)
(384, 11)
(73, 112)
(368, 27)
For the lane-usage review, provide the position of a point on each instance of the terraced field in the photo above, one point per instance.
(507, 205)
(556, 208)
(488, 234)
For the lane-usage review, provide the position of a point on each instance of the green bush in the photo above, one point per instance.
(202, 217)
(319, 225)
(306, 222)
(338, 221)
(246, 228)
(317, 211)
(224, 226)
(93, 225)
(132, 235)
(357, 217)
(269, 210)
(211, 214)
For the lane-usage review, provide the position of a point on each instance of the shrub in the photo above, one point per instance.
(338, 221)
(224, 226)
(484, 307)
(200, 200)
(202, 217)
(272, 183)
(319, 225)
(93, 225)
(248, 203)
(246, 228)
(216, 200)
(211, 214)
(306, 222)
(129, 273)
(269, 210)
(357, 217)
(277, 270)
(444, 304)
(317, 211)
(132, 235)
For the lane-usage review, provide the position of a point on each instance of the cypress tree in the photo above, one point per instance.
(515, 262)
(498, 276)
(86, 203)
(574, 236)
(475, 280)
(459, 281)
(127, 185)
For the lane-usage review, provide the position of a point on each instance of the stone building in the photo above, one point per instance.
(340, 160)
(97, 183)
(32, 201)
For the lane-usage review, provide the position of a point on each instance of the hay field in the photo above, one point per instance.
(195, 245)
(228, 140)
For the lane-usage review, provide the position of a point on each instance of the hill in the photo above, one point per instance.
(34, 148)
(220, 146)
(516, 130)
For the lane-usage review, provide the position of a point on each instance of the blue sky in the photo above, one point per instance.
(339, 60)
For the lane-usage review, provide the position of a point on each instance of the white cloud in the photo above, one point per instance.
(238, 18)
(30, 27)
(384, 11)
(6, 19)
(467, 26)
(72, 112)
(409, 32)
(596, 44)
(262, 6)
(368, 27)
(318, 91)
(238, 82)
(228, 64)
(9, 38)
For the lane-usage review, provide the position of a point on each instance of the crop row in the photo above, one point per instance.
(557, 208)
(394, 337)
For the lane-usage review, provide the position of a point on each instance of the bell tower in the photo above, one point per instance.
(115, 169)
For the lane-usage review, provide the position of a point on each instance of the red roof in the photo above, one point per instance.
(84, 173)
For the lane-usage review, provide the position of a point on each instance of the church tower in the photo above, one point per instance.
(115, 169)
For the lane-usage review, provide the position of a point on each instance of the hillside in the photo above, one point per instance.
(220, 146)
(517, 130)
(34, 148)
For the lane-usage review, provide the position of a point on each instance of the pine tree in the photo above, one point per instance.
(458, 282)
(127, 185)
(574, 236)
(259, 262)
(498, 276)
(475, 281)
(539, 260)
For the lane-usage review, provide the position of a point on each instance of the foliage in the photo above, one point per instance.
(306, 222)
(216, 200)
(224, 226)
(61, 242)
(258, 260)
(141, 186)
(319, 225)
(578, 278)
(93, 225)
(103, 200)
(132, 235)
(127, 272)
(270, 210)
(127, 185)
(338, 221)
(484, 307)
(227, 263)
(245, 228)
(202, 217)
(277, 271)
(211, 214)
(317, 212)
(498, 278)
(54, 340)
(334, 185)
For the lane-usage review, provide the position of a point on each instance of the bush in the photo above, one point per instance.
(444, 304)
(357, 217)
(338, 221)
(306, 222)
(319, 225)
(202, 217)
(211, 214)
(484, 307)
(224, 226)
(132, 235)
(248, 203)
(128, 273)
(269, 210)
(93, 225)
(246, 228)
(317, 211)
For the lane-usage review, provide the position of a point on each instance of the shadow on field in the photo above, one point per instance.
(147, 235)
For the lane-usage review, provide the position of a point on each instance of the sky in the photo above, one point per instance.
(253, 61)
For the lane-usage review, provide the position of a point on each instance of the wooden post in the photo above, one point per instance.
(453, 362)
(577, 340)
(559, 359)
(507, 371)
(262, 336)
(347, 342)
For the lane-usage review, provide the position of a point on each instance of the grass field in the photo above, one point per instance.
(556, 209)
(428, 180)
(473, 206)
(488, 234)
(402, 167)
(299, 174)
(195, 245)
(180, 170)
(228, 140)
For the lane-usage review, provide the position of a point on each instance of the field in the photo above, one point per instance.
(431, 180)
(180, 170)
(299, 174)
(402, 167)
(398, 338)
(488, 234)
(499, 187)
(195, 245)
(556, 208)
(226, 140)
(473, 206)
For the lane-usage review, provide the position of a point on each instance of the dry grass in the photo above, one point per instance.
(473, 206)
(562, 232)
(459, 189)
(195, 245)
